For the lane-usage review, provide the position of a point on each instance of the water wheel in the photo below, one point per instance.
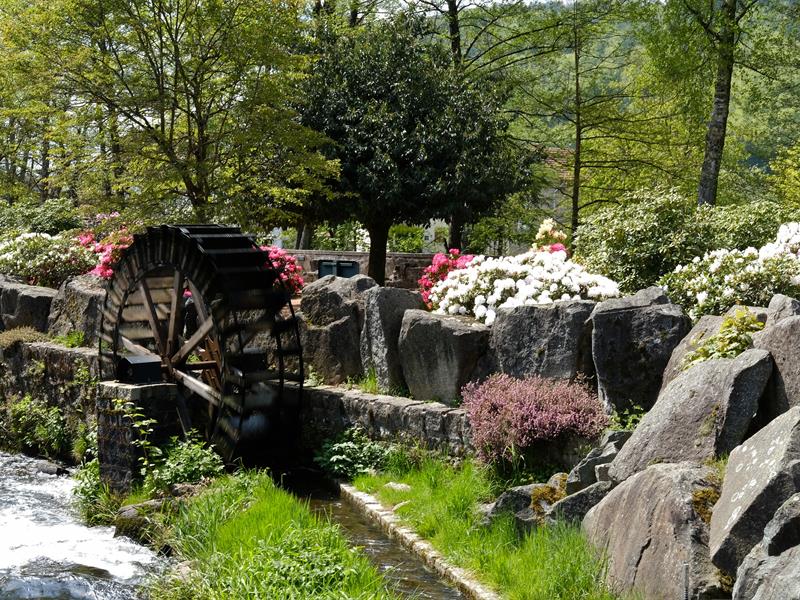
(206, 302)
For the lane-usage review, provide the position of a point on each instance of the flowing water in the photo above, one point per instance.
(406, 574)
(45, 551)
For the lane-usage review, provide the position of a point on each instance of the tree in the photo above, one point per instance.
(194, 96)
(414, 139)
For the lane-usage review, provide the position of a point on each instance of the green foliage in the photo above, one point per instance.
(549, 563)
(406, 238)
(651, 233)
(73, 339)
(349, 236)
(93, 498)
(247, 538)
(52, 216)
(734, 337)
(32, 426)
(627, 419)
(187, 460)
(9, 338)
(351, 454)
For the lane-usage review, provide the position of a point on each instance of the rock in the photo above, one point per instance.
(780, 340)
(575, 506)
(783, 531)
(763, 577)
(332, 350)
(558, 480)
(24, 305)
(583, 474)
(133, 521)
(397, 487)
(601, 472)
(550, 340)
(632, 342)
(615, 436)
(185, 490)
(514, 500)
(649, 527)
(49, 468)
(701, 415)
(383, 316)
(707, 326)
(440, 354)
(77, 307)
(781, 307)
(760, 476)
(331, 298)
(760, 312)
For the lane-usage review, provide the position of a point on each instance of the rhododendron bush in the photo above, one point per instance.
(723, 278)
(42, 259)
(536, 277)
(108, 250)
(289, 271)
(511, 416)
(441, 265)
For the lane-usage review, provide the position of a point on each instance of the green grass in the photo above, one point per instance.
(551, 563)
(248, 539)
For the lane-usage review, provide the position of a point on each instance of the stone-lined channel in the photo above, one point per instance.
(407, 575)
(45, 551)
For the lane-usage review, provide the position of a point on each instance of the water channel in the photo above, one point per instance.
(47, 554)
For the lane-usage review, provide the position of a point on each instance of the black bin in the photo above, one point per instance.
(139, 369)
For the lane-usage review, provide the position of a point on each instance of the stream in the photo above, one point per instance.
(45, 551)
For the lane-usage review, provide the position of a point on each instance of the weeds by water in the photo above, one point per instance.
(550, 563)
(248, 539)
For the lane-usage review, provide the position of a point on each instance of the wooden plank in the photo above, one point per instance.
(135, 332)
(192, 343)
(198, 387)
(134, 348)
(139, 312)
(174, 312)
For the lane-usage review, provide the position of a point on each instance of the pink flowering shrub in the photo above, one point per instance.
(287, 267)
(510, 416)
(108, 250)
(437, 271)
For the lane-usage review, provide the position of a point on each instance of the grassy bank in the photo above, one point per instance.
(550, 563)
(245, 538)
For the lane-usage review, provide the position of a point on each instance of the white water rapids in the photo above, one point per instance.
(45, 551)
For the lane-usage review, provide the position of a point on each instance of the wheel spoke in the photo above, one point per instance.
(151, 316)
(192, 342)
(198, 387)
(175, 312)
(135, 348)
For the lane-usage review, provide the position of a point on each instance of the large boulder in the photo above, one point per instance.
(550, 340)
(760, 476)
(573, 508)
(24, 305)
(383, 316)
(781, 307)
(780, 340)
(632, 341)
(775, 557)
(77, 307)
(331, 298)
(440, 354)
(332, 314)
(701, 415)
(653, 524)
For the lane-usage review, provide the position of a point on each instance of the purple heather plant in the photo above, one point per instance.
(509, 416)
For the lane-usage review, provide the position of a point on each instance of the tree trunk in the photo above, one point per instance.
(378, 238)
(306, 236)
(718, 123)
(456, 230)
(44, 172)
(455, 31)
(576, 161)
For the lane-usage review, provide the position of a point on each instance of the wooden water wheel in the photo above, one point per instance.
(206, 302)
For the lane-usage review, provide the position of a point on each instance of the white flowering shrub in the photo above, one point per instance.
(487, 284)
(723, 278)
(42, 259)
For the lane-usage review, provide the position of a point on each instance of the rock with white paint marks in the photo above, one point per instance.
(761, 475)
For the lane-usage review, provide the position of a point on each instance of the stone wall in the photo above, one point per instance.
(402, 269)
